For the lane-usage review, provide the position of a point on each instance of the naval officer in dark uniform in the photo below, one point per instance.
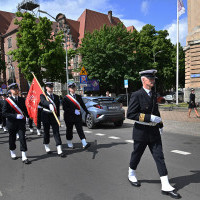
(14, 109)
(72, 116)
(48, 118)
(143, 108)
(2, 119)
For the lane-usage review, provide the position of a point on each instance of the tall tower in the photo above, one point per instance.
(28, 5)
(192, 50)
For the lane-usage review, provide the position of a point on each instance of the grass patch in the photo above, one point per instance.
(182, 105)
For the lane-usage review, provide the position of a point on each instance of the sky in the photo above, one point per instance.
(159, 13)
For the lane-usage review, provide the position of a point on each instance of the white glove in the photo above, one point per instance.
(155, 119)
(19, 116)
(161, 131)
(51, 107)
(77, 112)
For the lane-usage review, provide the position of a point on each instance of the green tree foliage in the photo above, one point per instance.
(113, 54)
(107, 55)
(38, 50)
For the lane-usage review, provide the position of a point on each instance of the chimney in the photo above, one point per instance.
(110, 16)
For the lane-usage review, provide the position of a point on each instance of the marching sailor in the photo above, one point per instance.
(72, 104)
(48, 118)
(14, 109)
(143, 108)
(2, 119)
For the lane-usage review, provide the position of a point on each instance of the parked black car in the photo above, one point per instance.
(122, 98)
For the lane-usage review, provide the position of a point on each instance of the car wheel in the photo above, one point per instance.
(119, 123)
(89, 121)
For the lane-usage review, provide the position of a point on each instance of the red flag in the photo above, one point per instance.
(33, 99)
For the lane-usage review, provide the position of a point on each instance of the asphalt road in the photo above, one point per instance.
(99, 173)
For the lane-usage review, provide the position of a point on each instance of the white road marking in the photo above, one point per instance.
(1, 194)
(113, 137)
(130, 141)
(100, 134)
(180, 152)
(88, 131)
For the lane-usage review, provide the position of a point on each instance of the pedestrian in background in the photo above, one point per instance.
(107, 94)
(192, 104)
(2, 118)
(143, 108)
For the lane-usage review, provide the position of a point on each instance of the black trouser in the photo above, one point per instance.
(52, 122)
(2, 120)
(39, 118)
(69, 130)
(30, 123)
(20, 129)
(156, 151)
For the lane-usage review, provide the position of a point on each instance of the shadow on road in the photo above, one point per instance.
(181, 181)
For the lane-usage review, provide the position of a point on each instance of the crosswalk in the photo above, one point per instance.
(131, 141)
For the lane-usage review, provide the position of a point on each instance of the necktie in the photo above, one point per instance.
(150, 93)
(51, 96)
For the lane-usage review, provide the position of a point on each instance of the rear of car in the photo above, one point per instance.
(103, 110)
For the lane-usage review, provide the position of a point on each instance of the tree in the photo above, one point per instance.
(108, 56)
(38, 50)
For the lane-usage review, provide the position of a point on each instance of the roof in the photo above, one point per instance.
(131, 28)
(91, 20)
(5, 20)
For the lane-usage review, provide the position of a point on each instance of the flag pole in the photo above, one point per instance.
(46, 99)
(177, 56)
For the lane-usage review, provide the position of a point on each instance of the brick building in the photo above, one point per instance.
(87, 22)
(192, 50)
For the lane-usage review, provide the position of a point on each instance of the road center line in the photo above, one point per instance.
(113, 137)
(1, 194)
(100, 134)
(180, 152)
(88, 131)
(129, 141)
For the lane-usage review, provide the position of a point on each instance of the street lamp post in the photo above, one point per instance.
(154, 55)
(66, 29)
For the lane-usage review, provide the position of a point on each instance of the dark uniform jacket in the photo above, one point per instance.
(45, 104)
(11, 114)
(141, 107)
(69, 109)
(1, 105)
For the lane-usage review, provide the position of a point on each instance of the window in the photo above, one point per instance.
(9, 42)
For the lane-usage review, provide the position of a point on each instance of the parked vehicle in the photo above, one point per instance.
(122, 98)
(103, 109)
(171, 97)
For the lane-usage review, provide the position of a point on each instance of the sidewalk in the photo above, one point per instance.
(177, 121)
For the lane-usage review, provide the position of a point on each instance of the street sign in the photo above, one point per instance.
(83, 71)
(83, 79)
(125, 83)
(3, 86)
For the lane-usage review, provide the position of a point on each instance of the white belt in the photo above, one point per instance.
(44, 109)
(147, 123)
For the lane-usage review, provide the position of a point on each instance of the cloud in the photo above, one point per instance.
(133, 22)
(183, 31)
(145, 7)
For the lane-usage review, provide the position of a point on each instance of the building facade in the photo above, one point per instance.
(87, 22)
(192, 50)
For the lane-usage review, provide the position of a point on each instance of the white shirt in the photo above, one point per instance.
(147, 91)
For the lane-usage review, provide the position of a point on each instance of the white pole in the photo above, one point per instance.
(177, 54)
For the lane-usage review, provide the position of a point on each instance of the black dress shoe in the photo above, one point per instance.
(87, 146)
(71, 147)
(62, 155)
(14, 158)
(27, 161)
(49, 152)
(135, 184)
(172, 194)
